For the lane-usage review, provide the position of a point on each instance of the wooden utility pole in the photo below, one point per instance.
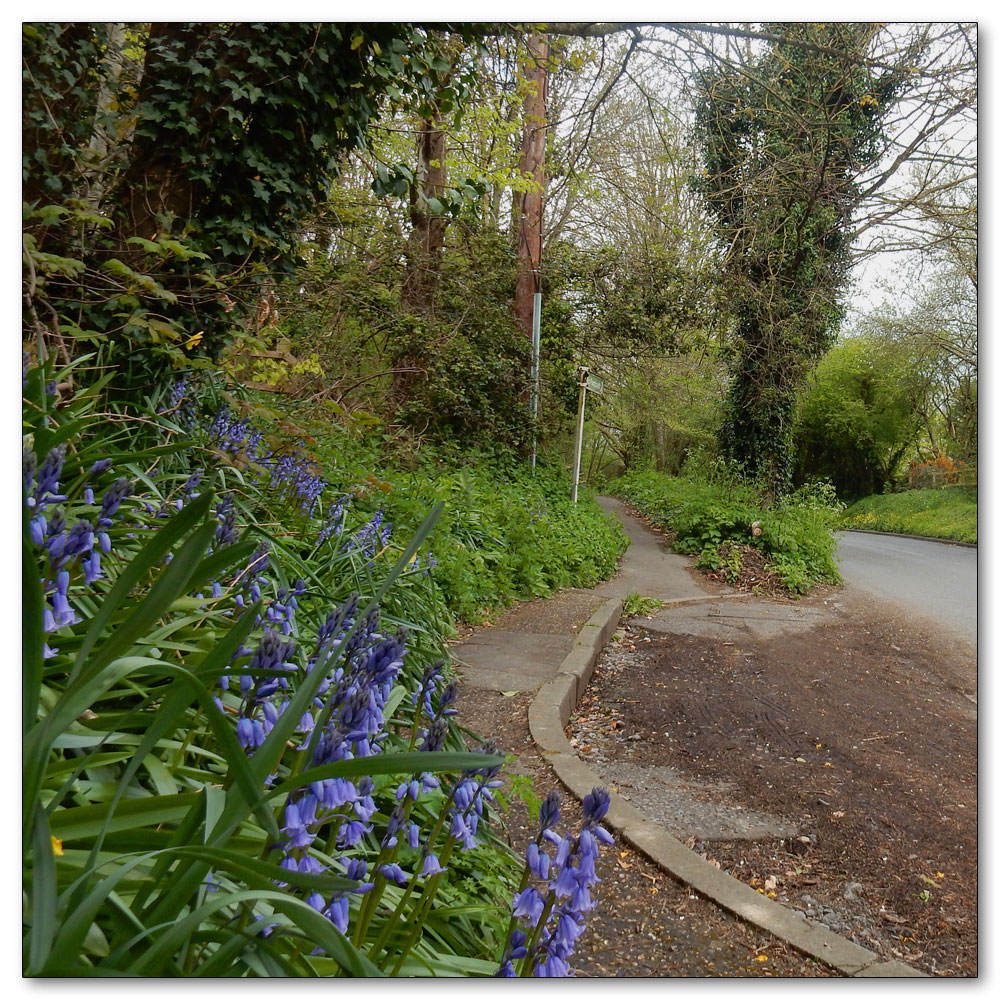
(528, 205)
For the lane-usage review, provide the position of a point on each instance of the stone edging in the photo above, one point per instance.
(547, 716)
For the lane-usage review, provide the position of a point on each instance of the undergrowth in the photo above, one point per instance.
(712, 519)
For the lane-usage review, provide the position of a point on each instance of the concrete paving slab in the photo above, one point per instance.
(562, 614)
(649, 568)
(751, 618)
(510, 661)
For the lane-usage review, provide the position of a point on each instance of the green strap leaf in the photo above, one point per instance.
(43, 894)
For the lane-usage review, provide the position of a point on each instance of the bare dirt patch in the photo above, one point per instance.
(646, 925)
(859, 732)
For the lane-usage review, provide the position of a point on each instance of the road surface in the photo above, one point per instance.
(933, 580)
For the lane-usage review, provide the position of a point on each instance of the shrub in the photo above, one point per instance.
(713, 519)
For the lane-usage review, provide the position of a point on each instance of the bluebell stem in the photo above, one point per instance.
(225, 512)
(47, 477)
(29, 466)
(554, 916)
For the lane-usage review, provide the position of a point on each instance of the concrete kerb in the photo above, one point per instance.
(548, 714)
(920, 538)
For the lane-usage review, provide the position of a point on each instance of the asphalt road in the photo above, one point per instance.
(932, 580)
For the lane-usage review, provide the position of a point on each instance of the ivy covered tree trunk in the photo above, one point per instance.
(783, 148)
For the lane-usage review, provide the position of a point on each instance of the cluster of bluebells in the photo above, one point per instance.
(548, 918)
(291, 473)
(346, 721)
(333, 523)
(67, 548)
(370, 538)
(181, 405)
(330, 818)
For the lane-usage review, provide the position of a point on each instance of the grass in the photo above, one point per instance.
(947, 513)
(636, 605)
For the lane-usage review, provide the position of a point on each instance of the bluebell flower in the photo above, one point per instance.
(29, 466)
(47, 476)
(595, 804)
(393, 873)
(549, 812)
(225, 512)
(431, 866)
(36, 528)
(92, 568)
(538, 861)
(435, 735)
(338, 913)
(529, 904)
(552, 967)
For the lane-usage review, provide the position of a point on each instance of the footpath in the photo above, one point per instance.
(550, 648)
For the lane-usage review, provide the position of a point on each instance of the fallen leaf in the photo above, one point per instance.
(770, 882)
(509, 694)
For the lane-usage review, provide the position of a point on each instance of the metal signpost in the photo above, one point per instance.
(536, 345)
(595, 384)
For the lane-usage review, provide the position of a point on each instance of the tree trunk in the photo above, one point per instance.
(426, 240)
(528, 206)
(423, 248)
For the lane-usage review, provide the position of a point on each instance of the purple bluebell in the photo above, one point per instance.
(393, 873)
(119, 490)
(435, 735)
(595, 805)
(529, 904)
(36, 528)
(338, 913)
(29, 466)
(552, 966)
(92, 568)
(548, 815)
(432, 866)
(225, 512)
(47, 476)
